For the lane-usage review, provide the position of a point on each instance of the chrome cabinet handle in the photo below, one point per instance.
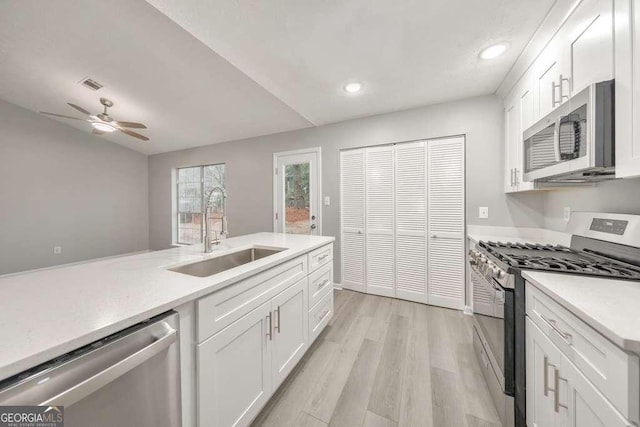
(320, 258)
(113, 372)
(277, 328)
(563, 97)
(556, 398)
(554, 325)
(270, 330)
(323, 284)
(547, 389)
(554, 101)
(515, 176)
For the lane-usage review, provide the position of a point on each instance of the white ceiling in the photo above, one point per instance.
(254, 67)
(154, 71)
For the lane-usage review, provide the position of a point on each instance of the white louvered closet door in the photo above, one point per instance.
(446, 248)
(379, 240)
(352, 213)
(411, 221)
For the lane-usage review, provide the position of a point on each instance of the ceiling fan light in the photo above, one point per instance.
(103, 127)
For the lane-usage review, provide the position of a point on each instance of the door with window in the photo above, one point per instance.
(297, 192)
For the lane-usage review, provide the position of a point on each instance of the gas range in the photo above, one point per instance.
(602, 245)
(500, 260)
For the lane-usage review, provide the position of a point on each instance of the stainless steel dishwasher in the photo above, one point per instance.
(131, 378)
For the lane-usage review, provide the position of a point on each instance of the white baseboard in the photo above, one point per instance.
(468, 310)
(337, 286)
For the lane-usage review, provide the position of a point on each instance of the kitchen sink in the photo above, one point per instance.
(226, 262)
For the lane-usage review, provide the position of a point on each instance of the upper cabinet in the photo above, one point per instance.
(627, 71)
(581, 52)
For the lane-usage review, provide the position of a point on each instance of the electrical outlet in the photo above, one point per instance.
(327, 201)
(483, 212)
(567, 213)
(57, 250)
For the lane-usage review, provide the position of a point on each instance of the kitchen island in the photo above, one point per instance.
(47, 313)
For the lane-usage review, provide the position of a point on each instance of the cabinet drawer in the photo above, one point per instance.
(320, 257)
(614, 372)
(320, 282)
(221, 308)
(319, 316)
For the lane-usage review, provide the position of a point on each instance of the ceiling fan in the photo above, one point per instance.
(103, 123)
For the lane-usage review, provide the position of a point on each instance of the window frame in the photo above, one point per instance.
(176, 219)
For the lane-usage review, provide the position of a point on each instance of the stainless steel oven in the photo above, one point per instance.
(493, 314)
(575, 142)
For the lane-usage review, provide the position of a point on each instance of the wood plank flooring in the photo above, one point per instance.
(383, 362)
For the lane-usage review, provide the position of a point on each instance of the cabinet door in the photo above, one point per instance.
(588, 45)
(542, 360)
(352, 213)
(290, 330)
(411, 222)
(380, 218)
(527, 119)
(234, 371)
(627, 73)
(511, 130)
(446, 248)
(547, 70)
(581, 404)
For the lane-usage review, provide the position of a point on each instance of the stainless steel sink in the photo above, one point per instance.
(225, 262)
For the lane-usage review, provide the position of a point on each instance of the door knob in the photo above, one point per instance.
(313, 226)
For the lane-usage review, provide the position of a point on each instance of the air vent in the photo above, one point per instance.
(91, 84)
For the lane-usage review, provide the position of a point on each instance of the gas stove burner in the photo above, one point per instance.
(557, 258)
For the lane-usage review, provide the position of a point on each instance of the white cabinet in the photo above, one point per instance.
(242, 362)
(542, 360)
(587, 44)
(234, 371)
(580, 53)
(290, 330)
(627, 73)
(519, 115)
(557, 392)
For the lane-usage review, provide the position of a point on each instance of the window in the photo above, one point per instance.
(193, 186)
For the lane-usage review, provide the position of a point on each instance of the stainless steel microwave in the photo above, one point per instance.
(575, 142)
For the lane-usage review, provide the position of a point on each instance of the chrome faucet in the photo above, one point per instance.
(208, 241)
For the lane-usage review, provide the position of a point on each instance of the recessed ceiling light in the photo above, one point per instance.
(494, 51)
(353, 87)
(103, 127)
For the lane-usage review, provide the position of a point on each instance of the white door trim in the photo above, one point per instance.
(312, 150)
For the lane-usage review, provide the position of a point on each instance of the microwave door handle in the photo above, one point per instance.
(556, 136)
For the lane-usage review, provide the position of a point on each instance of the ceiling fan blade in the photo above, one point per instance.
(63, 116)
(131, 125)
(82, 110)
(97, 132)
(134, 134)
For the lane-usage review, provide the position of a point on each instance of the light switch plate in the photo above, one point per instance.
(327, 201)
(483, 212)
(57, 250)
(567, 213)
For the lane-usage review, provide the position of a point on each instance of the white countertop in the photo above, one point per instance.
(47, 313)
(609, 306)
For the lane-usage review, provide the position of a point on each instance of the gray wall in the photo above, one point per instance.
(619, 196)
(249, 167)
(63, 187)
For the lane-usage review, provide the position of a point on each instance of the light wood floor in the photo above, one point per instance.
(386, 362)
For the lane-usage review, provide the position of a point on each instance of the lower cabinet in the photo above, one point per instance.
(558, 394)
(234, 371)
(240, 367)
(290, 331)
